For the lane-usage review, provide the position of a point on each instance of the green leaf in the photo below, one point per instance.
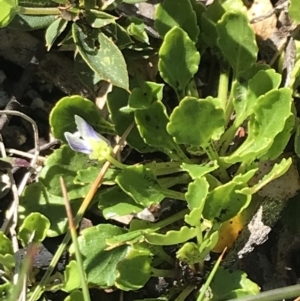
(134, 270)
(9, 8)
(119, 35)
(189, 253)
(237, 41)
(136, 29)
(6, 252)
(199, 170)
(208, 24)
(146, 190)
(294, 9)
(71, 277)
(297, 141)
(191, 122)
(277, 171)
(31, 22)
(226, 201)
(6, 289)
(36, 199)
(269, 119)
(54, 31)
(178, 60)
(197, 192)
(65, 162)
(107, 60)
(99, 19)
(117, 100)
(231, 284)
(129, 238)
(172, 237)
(114, 201)
(170, 14)
(75, 296)
(152, 123)
(294, 77)
(280, 141)
(87, 76)
(89, 174)
(245, 96)
(101, 265)
(62, 116)
(50, 178)
(143, 97)
(34, 228)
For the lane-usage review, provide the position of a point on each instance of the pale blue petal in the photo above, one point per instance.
(77, 144)
(85, 130)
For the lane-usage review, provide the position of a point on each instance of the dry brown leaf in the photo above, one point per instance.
(265, 28)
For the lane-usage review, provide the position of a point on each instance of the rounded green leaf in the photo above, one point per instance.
(237, 41)
(152, 123)
(101, 265)
(114, 201)
(9, 9)
(71, 277)
(134, 270)
(106, 60)
(6, 251)
(35, 223)
(231, 284)
(62, 116)
(196, 121)
(146, 190)
(36, 199)
(246, 95)
(178, 60)
(172, 13)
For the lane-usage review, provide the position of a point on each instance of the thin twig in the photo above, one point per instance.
(33, 162)
(13, 151)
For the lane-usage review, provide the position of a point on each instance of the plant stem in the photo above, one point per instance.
(181, 155)
(210, 277)
(185, 293)
(227, 138)
(170, 220)
(113, 161)
(172, 194)
(168, 182)
(213, 155)
(39, 11)
(223, 86)
(163, 273)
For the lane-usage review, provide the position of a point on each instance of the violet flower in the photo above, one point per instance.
(86, 140)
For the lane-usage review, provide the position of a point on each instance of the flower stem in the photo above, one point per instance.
(113, 161)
